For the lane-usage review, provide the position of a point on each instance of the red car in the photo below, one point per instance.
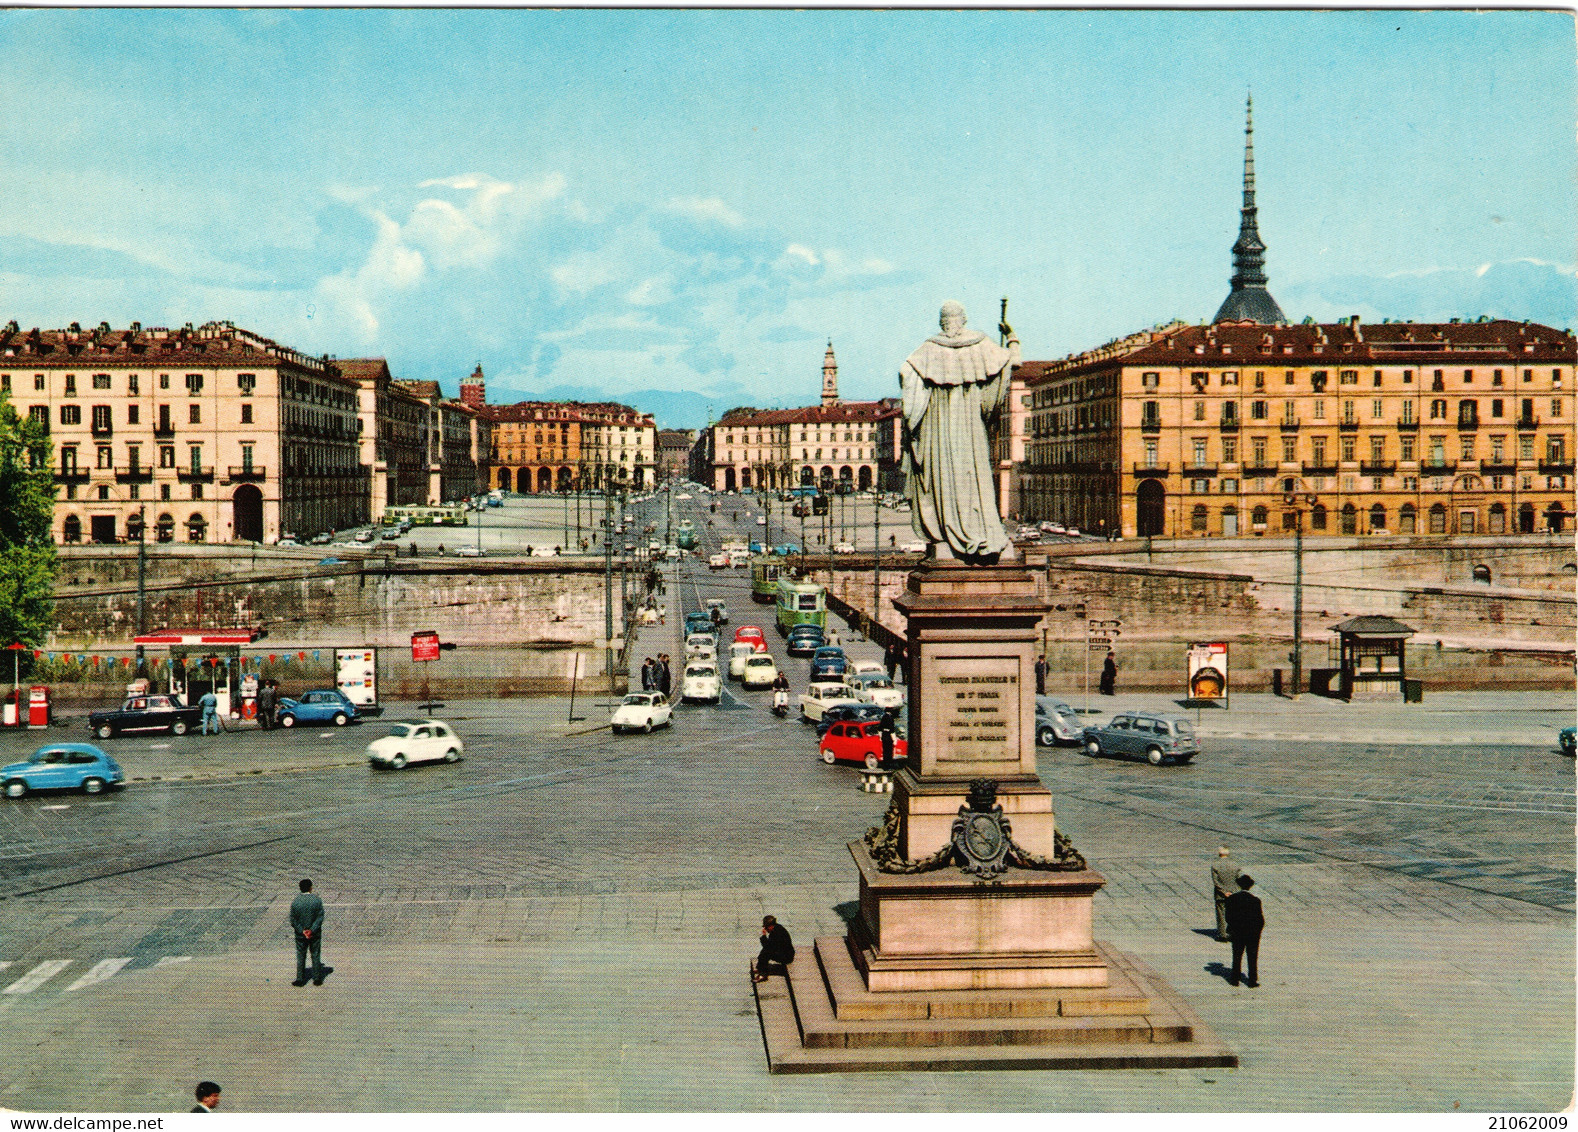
(753, 634)
(857, 742)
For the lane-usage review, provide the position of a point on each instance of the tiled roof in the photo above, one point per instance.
(1423, 344)
(844, 411)
(424, 389)
(214, 343)
(364, 369)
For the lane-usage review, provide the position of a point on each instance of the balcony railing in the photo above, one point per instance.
(1495, 467)
(1258, 471)
(1150, 424)
(249, 473)
(164, 431)
(1348, 424)
(1151, 468)
(1467, 424)
(1527, 421)
(1229, 424)
(72, 475)
(1287, 424)
(1199, 470)
(1408, 426)
(1430, 466)
(1556, 467)
(142, 473)
(1321, 469)
(1379, 468)
(191, 474)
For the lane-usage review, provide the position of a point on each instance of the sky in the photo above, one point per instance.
(680, 209)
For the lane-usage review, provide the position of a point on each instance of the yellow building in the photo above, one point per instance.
(1242, 429)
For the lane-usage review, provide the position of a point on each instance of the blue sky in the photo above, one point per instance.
(679, 209)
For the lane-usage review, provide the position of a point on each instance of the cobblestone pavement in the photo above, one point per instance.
(562, 921)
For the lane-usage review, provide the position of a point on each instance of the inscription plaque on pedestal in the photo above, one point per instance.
(975, 710)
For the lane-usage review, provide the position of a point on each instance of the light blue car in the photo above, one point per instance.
(63, 766)
(325, 706)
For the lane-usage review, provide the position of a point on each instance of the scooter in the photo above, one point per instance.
(780, 703)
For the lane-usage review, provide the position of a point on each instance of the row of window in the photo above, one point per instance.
(102, 382)
(103, 493)
(163, 530)
(1347, 449)
(1437, 519)
(1439, 409)
(1201, 379)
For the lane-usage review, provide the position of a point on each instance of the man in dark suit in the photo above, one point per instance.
(1244, 923)
(306, 919)
(777, 951)
(207, 1097)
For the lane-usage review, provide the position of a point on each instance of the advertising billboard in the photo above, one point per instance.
(1208, 671)
(424, 645)
(356, 675)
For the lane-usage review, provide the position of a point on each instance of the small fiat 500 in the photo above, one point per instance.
(63, 766)
(415, 741)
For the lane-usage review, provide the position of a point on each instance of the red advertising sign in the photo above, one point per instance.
(424, 645)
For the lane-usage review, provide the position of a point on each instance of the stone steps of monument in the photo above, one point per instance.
(820, 1026)
(853, 1002)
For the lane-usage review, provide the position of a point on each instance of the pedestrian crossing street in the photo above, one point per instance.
(44, 974)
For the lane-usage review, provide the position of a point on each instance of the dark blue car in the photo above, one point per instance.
(829, 660)
(63, 766)
(805, 639)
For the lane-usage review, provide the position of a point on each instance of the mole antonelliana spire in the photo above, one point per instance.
(1249, 300)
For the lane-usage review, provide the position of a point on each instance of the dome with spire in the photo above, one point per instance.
(1249, 301)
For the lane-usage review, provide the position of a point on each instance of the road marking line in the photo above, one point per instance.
(57, 806)
(102, 970)
(158, 746)
(169, 959)
(38, 976)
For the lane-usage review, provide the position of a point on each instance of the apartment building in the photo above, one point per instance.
(210, 434)
(1239, 429)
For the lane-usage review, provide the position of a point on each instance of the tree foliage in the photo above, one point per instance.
(27, 547)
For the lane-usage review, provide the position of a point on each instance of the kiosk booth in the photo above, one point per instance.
(1372, 661)
(206, 660)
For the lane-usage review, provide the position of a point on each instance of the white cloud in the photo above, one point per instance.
(801, 252)
(706, 209)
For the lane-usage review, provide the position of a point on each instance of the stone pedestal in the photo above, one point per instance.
(944, 969)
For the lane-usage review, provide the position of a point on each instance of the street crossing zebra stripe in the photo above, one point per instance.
(102, 970)
(38, 976)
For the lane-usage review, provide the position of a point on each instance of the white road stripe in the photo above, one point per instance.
(102, 970)
(38, 976)
(168, 959)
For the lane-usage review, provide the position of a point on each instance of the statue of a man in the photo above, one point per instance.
(953, 385)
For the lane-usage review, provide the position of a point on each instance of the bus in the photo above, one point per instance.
(764, 579)
(446, 515)
(800, 603)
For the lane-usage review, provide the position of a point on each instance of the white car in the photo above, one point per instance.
(819, 697)
(740, 558)
(697, 641)
(415, 741)
(470, 552)
(760, 671)
(913, 547)
(718, 562)
(701, 682)
(876, 688)
(682, 495)
(867, 666)
(642, 711)
(843, 548)
(761, 520)
(739, 653)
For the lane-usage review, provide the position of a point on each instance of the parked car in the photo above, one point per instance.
(843, 548)
(856, 742)
(1566, 739)
(829, 660)
(1057, 722)
(738, 652)
(1154, 737)
(63, 766)
(701, 682)
(415, 741)
(321, 538)
(145, 713)
(804, 640)
(326, 705)
(760, 671)
(912, 547)
(876, 688)
(365, 536)
(718, 562)
(785, 549)
(642, 711)
(819, 697)
(855, 710)
(470, 551)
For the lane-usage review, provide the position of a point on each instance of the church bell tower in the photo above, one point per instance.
(829, 377)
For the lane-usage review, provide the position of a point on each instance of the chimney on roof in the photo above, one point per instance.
(136, 327)
(1353, 321)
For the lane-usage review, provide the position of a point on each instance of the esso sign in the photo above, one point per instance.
(424, 645)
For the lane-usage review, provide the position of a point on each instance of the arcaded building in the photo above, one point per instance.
(211, 434)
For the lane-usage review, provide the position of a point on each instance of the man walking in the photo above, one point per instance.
(210, 705)
(1109, 673)
(665, 677)
(1041, 675)
(1245, 920)
(890, 659)
(886, 729)
(306, 919)
(646, 674)
(1224, 882)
